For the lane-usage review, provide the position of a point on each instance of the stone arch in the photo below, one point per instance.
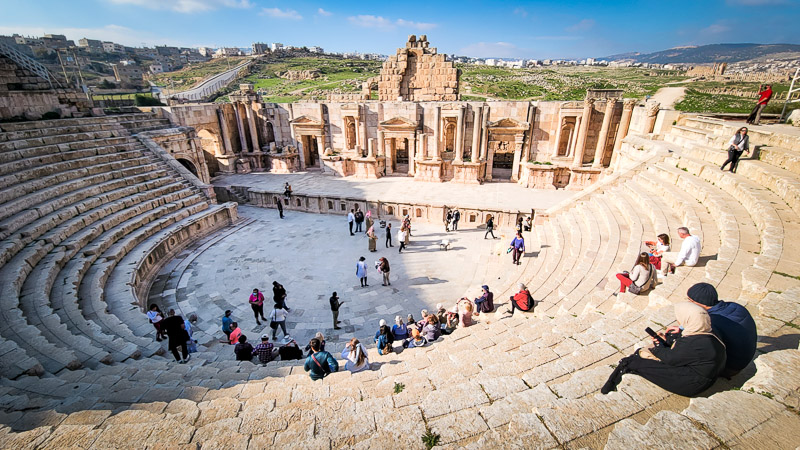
(189, 165)
(211, 144)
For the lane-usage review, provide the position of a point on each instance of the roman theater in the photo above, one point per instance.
(107, 212)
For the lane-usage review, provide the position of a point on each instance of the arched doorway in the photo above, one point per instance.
(210, 144)
(189, 165)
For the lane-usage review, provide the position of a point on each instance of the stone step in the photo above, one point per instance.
(22, 176)
(52, 212)
(72, 244)
(119, 161)
(44, 124)
(57, 139)
(47, 150)
(58, 131)
(23, 164)
(35, 295)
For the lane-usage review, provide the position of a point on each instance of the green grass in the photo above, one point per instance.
(398, 387)
(190, 75)
(430, 439)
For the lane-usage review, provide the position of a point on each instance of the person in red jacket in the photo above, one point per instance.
(522, 300)
(763, 98)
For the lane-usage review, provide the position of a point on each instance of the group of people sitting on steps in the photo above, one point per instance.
(712, 338)
(659, 259)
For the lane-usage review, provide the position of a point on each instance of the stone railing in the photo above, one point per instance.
(155, 255)
(382, 210)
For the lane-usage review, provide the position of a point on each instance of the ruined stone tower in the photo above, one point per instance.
(418, 73)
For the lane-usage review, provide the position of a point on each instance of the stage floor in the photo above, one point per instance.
(495, 195)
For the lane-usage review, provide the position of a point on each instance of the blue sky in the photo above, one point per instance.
(573, 29)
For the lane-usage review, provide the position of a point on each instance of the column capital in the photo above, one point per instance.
(628, 104)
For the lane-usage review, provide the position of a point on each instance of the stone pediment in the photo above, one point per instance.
(306, 121)
(452, 106)
(510, 124)
(398, 123)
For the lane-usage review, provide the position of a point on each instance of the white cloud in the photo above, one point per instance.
(114, 33)
(521, 12)
(384, 24)
(322, 12)
(186, 6)
(367, 21)
(715, 28)
(492, 50)
(583, 25)
(277, 13)
(421, 26)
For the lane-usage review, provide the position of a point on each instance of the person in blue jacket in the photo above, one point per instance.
(319, 363)
(732, 323)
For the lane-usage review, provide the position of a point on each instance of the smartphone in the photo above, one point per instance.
(655, 336)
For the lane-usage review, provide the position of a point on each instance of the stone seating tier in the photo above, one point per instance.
(77, 197)
(503, 382)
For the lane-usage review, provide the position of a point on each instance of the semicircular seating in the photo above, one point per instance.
(504, 382)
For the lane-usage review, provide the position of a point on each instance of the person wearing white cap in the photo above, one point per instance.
(384, 330)
(399, 330)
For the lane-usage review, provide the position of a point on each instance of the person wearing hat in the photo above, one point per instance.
(484, 303)
(730, 321)
(264, 350)
(381, 327)
(399, 330)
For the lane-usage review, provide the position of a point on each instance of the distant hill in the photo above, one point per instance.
(704, 54)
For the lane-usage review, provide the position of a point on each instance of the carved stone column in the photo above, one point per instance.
(437, 117)
(625, 122)
(601, 140)
(519, 140)
(240, 126)
(412, 153)
(363, 125)
(371, 148)
(476, 134)
(460, 135)
(588, 106)
(223, 128)
(485, 140)
(652, 112)
(251, 122)
(573, 139)
(321, 151)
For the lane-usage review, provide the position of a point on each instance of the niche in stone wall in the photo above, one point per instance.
(270, 133)
(350, 132)
(565, 141)
(450, 134)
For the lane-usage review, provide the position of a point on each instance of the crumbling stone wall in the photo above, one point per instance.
(418, 73)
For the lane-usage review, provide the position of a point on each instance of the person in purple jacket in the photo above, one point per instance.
(517, 247)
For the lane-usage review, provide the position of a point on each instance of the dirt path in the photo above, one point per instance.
(668, 96)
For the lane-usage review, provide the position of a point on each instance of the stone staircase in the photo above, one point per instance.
(78, 195)
(523, 381)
